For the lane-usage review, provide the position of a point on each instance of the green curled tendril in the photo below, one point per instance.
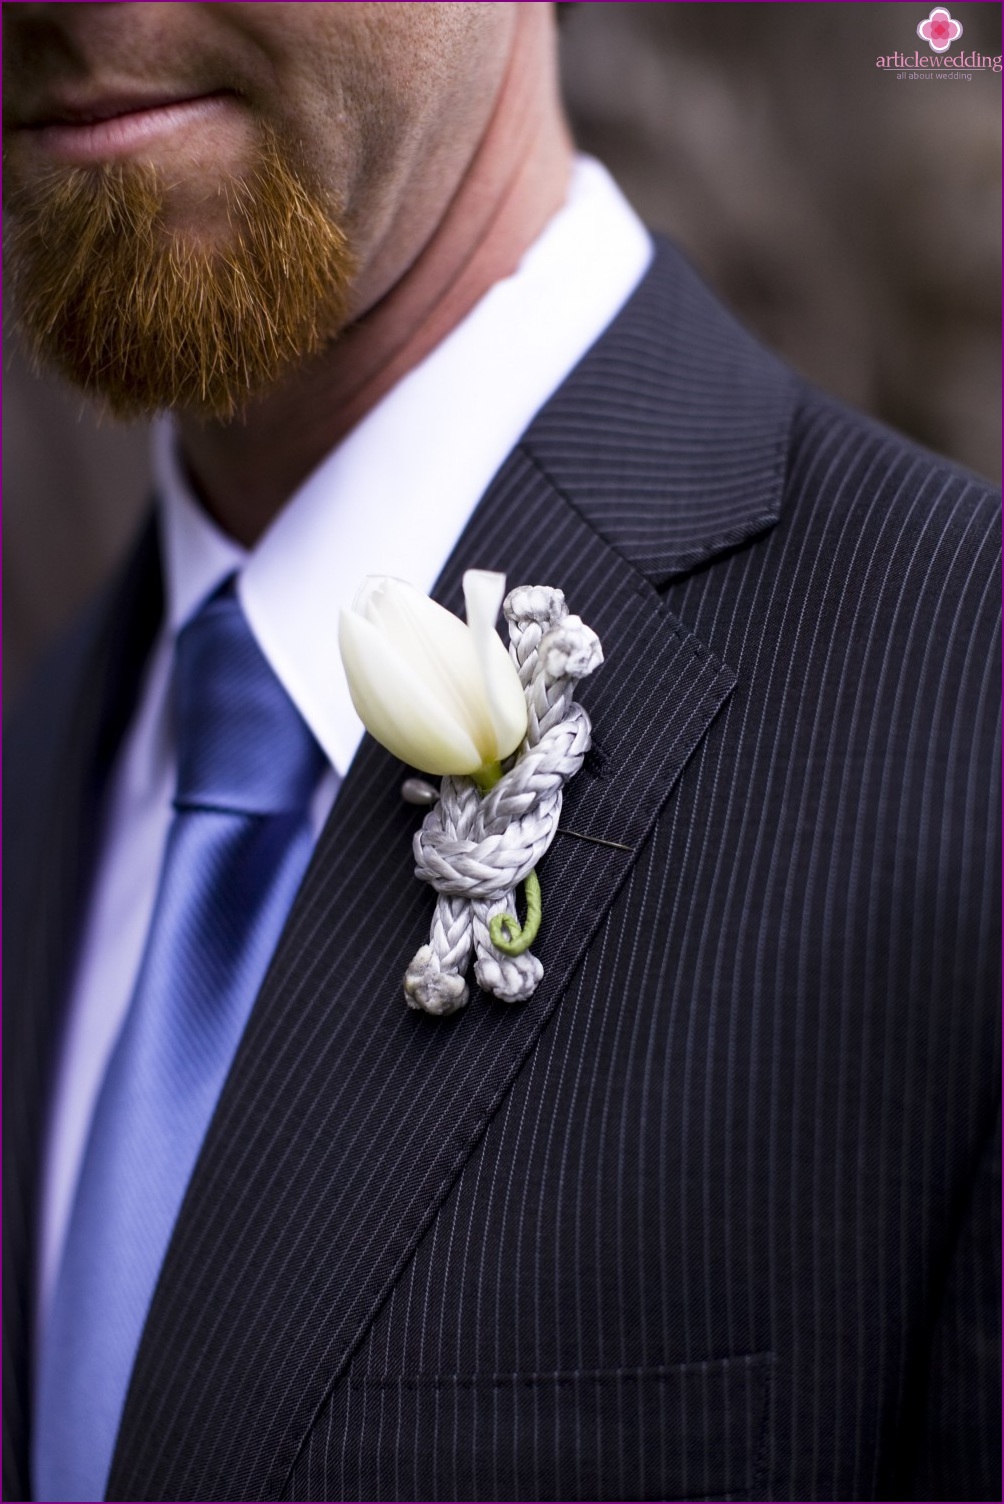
(507, 934)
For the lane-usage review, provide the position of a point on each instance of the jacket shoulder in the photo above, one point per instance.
(839, 455)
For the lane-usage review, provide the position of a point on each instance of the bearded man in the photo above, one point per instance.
(712, 1214)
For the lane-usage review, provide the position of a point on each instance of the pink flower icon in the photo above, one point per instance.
(940, 29)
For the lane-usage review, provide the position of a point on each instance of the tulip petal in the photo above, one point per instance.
(483, 593)
(439, 650)
(397, 706)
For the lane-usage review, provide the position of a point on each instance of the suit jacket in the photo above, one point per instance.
(712, 1216)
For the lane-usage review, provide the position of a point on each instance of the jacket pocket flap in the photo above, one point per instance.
(688, 1432)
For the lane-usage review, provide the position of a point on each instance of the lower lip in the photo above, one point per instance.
(123, 135)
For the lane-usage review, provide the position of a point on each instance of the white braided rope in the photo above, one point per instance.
(475, 851)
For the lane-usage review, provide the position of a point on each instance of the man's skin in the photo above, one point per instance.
(437, 127)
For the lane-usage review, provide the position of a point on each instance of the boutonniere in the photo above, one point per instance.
(503, 732)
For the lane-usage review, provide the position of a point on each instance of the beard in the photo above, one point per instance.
(145, 319)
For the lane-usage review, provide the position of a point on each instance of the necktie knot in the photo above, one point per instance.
(242, 744)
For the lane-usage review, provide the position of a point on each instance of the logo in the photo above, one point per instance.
(940, 30)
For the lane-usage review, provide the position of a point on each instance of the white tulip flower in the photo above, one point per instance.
(442, 696)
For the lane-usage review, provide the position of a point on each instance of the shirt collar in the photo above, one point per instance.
(396, 493)
(197, 555)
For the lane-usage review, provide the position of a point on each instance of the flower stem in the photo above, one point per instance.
(507, 934)
(487, 777)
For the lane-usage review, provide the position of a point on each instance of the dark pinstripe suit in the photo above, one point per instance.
(713, 1215)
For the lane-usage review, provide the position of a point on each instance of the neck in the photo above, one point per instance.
(245, 471)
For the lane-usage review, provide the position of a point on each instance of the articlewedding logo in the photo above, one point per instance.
(940, 29)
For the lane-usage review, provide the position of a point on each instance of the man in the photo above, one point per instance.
(712, 1214)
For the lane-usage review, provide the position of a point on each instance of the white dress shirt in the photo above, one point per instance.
(392, 498)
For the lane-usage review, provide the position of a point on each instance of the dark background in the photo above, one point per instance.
(851, 219)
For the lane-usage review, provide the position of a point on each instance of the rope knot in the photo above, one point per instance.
(476, 850)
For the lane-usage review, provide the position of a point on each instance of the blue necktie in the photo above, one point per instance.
(236, 851)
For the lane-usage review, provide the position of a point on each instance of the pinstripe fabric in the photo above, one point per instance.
(711, 1216)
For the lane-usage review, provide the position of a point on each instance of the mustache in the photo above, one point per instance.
(146, 320)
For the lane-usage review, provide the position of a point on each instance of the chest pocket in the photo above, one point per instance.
(691, 1432)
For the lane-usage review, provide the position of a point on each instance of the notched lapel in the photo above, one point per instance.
(346, 1118)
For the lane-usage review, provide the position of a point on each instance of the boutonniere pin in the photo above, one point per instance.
(503, 732)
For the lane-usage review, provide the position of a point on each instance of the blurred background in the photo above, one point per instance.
(851, 219)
